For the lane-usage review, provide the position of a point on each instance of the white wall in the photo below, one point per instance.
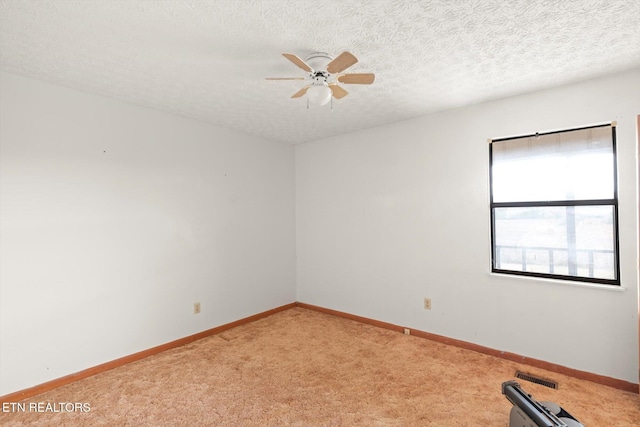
(388, 216)
(115, 219)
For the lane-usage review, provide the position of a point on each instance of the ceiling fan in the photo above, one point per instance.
(325, 72)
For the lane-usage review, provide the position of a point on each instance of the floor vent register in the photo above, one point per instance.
(537, 380)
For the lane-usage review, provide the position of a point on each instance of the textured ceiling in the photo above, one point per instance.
(207, 59)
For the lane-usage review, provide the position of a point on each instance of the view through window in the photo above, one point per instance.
(554, 205)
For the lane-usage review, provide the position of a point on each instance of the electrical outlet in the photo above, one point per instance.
(196, 307)
(427, 303)
(407, 331)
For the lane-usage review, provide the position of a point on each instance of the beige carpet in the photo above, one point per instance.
(304, 368)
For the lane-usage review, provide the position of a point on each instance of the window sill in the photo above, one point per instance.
(577, 284)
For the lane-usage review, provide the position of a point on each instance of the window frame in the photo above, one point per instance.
(613, 202)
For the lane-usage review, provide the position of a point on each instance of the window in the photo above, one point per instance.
(554, 205)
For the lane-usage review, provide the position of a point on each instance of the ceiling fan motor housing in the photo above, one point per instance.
(320, 77)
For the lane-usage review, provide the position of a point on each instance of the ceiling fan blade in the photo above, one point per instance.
(284, 78)
(301, 92)
(357, 78)
(341, 63)
(299, 62)
(337, 91)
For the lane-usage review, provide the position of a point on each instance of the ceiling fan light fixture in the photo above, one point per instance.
(319, 94)
(324, 74)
